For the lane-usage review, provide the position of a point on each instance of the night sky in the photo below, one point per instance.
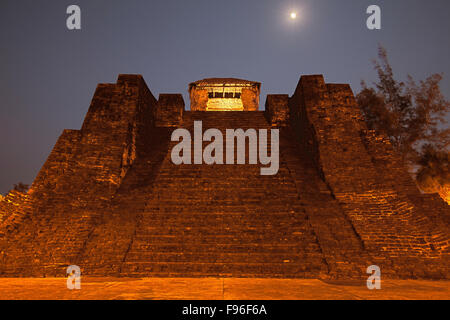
(48, 74)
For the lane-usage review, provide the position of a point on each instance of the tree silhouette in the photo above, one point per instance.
(411, 114)
(21, 187)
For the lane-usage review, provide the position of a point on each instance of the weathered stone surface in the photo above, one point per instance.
(376, 197)
(169, 110)
(277, 109)
(220, 289)
(13, 208)
(110, 200)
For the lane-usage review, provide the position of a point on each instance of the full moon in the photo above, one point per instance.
(293, 15)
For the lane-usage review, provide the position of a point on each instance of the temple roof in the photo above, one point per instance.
(223, 81)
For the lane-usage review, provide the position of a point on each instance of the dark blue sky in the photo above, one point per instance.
(48, 74)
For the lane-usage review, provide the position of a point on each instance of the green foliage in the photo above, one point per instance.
(411, 114)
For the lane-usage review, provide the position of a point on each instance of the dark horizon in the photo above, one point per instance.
(49, 73)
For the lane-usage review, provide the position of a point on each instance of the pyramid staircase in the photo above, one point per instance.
(218, 220)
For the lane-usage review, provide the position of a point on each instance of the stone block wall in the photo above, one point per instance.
(250, 98)
(79, 178)
(277, 109)
(199, 99)
(386, 160)
(57, 164)
(99, 155)
(387, 221)
(118, 116)
(169, 110)
(13, 208)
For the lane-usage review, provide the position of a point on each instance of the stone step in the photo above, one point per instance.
(217, 257)
(222, 269)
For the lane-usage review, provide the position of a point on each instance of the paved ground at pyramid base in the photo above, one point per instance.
(110, 200)
(97, 288)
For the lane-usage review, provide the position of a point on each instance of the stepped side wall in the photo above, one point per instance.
(277, 110)
(79, 178)
(328, 121)
(106, 146)
(169, 110)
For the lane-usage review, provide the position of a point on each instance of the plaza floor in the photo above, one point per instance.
(219, 289)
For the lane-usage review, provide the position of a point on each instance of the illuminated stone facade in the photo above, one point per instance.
(224, 94)
(110, 200)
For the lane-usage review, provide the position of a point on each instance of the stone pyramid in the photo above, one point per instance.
(110, 200)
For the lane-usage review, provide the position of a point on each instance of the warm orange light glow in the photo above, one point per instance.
(445, 193)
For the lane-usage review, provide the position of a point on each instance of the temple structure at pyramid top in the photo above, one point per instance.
(224, 94)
